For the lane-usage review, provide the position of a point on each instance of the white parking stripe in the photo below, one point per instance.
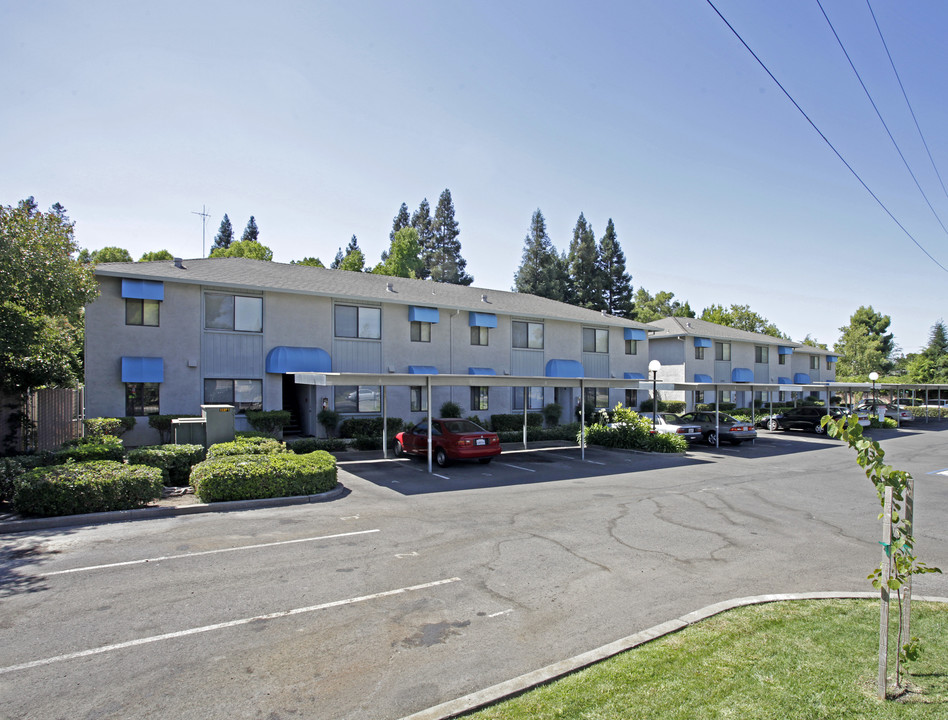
(517, 467)
(221, 626)
(207, 552)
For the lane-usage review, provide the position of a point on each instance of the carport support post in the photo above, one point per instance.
(884, 589)
(717, 417)
(582, 420)
(524, 418)
(384, 423)
(430, 424)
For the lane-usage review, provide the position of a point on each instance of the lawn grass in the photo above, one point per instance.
(803, 660)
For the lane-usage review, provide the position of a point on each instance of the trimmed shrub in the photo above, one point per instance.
(251, 477)
(174, 461)
(552, 412)
(329, 419)
(450, 410)
(560, 432)
(354, 427)
(97, 427)
(164, 426)
(633, 432)
(304, 446)
(243, 445)
(367, 442)
(502, 422)
(477, 420)
(672, 406)
(269, 421)
(85, 488)
(10, 469)
(104, 447)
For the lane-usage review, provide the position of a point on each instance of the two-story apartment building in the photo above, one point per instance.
(169, 336)
(698, 351)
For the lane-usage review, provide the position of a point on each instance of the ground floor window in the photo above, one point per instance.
(244, 395)
(534, 398)
(419, 398)
(141, 399)
(479, 398)
(598, 397)
(699, 397)
(357, 399)
(726, 396)
(632, 399)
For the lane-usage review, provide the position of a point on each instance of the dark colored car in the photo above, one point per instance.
(806, 418)
(733, 430)
(451, 439)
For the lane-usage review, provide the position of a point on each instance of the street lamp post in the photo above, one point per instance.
(653, 367)
(873, 376)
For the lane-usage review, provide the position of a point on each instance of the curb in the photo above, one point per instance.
(518, 685)
(151, 513)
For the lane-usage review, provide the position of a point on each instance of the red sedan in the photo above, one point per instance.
(451, 439)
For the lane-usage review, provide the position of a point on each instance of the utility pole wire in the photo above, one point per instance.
(204, 216)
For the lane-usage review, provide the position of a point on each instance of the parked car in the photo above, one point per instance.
(894, 412)
(807, 417)
(733, 430)
(451, 439)
(673, 425)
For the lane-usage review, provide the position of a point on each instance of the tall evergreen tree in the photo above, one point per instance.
(251, 232)
(539, 272)
(617, 289)
(444, 261)
(421, 221)
(354, 258)
(931, 365)
(585, 277)
(400, 222)
(337, 262)
(225, 235)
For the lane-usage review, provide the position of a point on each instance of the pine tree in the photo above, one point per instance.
(421, 221)
(617, 290)
(586, 284)
(445, 262)
(225, 235)
(538, 273)
(354, 258)
(337, 262)
(400, 222)
(251, 232)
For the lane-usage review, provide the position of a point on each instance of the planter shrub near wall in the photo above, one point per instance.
(251, 477)
(85, 488)
(174, 461)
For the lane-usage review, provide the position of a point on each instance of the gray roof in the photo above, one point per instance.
(260, 275)
(678, 326)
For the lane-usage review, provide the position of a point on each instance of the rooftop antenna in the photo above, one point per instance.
(204, 216)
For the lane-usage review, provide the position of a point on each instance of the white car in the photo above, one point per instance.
(672, 424)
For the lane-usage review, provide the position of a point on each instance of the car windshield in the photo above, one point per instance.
(462, 426)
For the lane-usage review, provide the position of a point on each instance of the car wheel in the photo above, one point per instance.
(819, 429)
(441, 457)
(399, 450)
(712, 438)
(484, 461)
(772, 424)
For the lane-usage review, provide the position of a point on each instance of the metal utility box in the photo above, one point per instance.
(189, 431)
(219, 423)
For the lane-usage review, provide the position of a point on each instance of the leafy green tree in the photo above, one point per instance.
(443, 257)
(156, 255)
(931, 365)
(864, 345)
(244, 248)
(617, 283)
(354, 258)
(421, 221)
(813, 342)
(741, 317)
(225, 235)
(403, 258)
(540, 272)
(44, 293)
(662, 305)
(106, 254)
(251, 232)
(586, 286)
(309, 261)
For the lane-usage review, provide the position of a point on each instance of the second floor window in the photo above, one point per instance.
(233, 312)
(595, 340)
(782, 359)
(420, 331)
(722, 351)
(141, 312)
(699, 353)
(354, 321)
(479, 335)
(814, 362)
(761, 354)
(527, 335)
(631, 347)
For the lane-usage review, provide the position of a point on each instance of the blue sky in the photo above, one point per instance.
(320, 119)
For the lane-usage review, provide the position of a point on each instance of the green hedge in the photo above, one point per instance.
(97, 427)
(673, 406)
(250, 477)
(355, 427)
(268, 421)
(560, 432)
(632, 431)
(105, 447)
(174, 461)
(164, 425)
(244, 445)
(85, 488)
(308, 445)
(504, 422)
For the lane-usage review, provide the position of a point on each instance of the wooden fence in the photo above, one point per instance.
(40, 419)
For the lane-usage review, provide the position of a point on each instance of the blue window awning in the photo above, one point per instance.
(478, 319)
(422, 370)
(702, 378)
(564, 369)
(801, 379)
(481, 371)
(784, 350)
(703, 342)
(143, 370)
(423, 314)
(832, 358)
(742, 375)
(634, 376)
(634, 334)
(143, 289)
(283, 359)
(784, 381)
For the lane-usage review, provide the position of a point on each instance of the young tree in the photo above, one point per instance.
(617, 290)
(156, 255)
(586, 280)
(443, 258)
(539, 272)
(864, 345)
(648, 308)
(309, 261)
(813, 342)
(251, 232)
(403, 258)
(44, 292)
(401, 221)
(337, 261)
(106, 254)
(421, 221)
(225, 235)
(742, 318)
(244, 248)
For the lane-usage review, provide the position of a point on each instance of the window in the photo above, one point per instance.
(420, 331)
(761, 354)
(419, 398)
(358, 322)
(722, 351)
(631, 347)
(598, 397)
(726, 396)
(141, 399)
(527, 335)
(632, 399)
(141, 312)
(782, 359)
(242, 394)
(829, 364)
(534, 398)
(357, 399)
(479, 398)
(233, 312)
(814, 362)
(699, 353)
(595, 340)
(699, 397)
(479, 335)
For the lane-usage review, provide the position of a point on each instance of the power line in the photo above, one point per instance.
(204, 216)
(825, 139)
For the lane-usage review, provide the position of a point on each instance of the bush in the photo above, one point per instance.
(10, 469)
(354, 427)
(633, 432)
(104, 447)
(85, 488)
(164, 426)
(672, 406)
(502, 422)
(560, 432)
(269, 421)
(250, 477)
(329, 419)
(304, 446)
(174, 461)
(552, 412)
(367, 442)
(243, 445)
(98, 427)
(450, 410)
(477, 420)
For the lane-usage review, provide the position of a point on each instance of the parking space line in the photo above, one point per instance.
(222, 626)
(517, 467)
